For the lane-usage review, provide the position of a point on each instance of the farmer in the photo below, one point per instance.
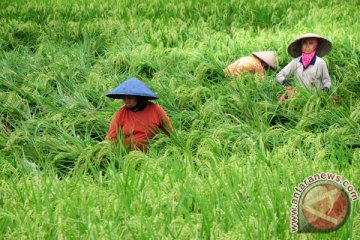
(139, 120)
(307, 66)
(255, 64)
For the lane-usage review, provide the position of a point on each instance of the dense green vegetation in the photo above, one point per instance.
(230, 169)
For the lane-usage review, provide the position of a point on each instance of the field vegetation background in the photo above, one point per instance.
(230, 169)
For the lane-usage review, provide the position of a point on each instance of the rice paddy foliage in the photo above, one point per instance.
(229, 170)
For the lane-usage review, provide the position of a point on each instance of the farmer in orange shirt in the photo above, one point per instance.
(255, 64)
(138, 120)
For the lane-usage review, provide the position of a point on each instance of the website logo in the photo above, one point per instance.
(321, 203)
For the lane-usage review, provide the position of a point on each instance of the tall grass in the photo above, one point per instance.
(230, 169)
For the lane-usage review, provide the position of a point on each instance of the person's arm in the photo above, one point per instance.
(259, 70)
(281, 78)
(113, 128)
(165, 124)
(326, 82)
(287, 71)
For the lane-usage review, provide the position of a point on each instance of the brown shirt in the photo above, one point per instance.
(249, 64)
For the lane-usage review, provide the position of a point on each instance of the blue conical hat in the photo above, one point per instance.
(132, 87)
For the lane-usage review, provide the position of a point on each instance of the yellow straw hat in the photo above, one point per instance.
(267, 57)
(323, 48)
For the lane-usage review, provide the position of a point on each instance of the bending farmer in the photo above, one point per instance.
(255, 64)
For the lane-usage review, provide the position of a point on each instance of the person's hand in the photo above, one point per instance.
(335, 99)
(282, 98)
(290, 91)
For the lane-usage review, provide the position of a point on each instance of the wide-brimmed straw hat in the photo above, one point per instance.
(323, 48)
(132, 87)
(267, 57)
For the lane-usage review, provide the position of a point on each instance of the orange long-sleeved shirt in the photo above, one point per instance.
(139, 127)
(245, 64)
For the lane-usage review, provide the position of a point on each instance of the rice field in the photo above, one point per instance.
(229, 170)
